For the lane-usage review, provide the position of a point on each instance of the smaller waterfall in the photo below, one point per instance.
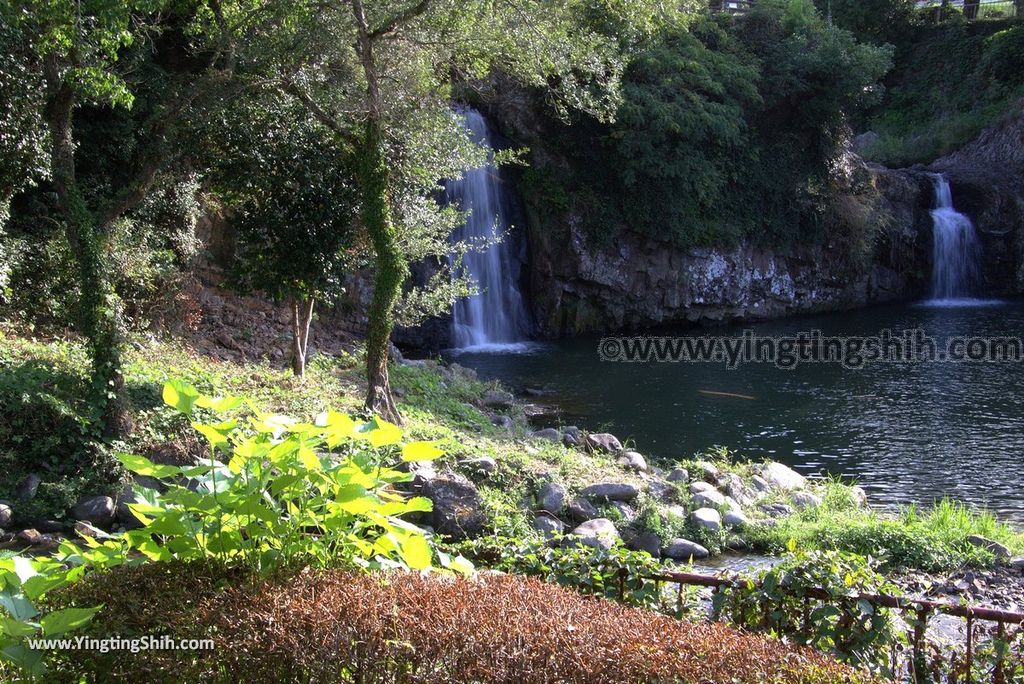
(954, 249)
(495, 319)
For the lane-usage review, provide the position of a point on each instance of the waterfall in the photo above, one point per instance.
(954, 248)
(496, 317)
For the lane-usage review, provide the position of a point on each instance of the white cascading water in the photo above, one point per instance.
(496, 317)
(954, 250)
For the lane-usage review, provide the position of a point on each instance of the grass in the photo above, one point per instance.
(931, 539)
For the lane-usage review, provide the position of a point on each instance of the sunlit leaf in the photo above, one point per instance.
(421, 451)
(180, 396)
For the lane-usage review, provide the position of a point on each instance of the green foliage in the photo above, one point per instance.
(320, 493)
(47, 428)
(681, 139)
(874, 21)
(292, 198)
(778, 601)
(22, 134)
(951, 81)
(590, 570)
(932, 540)
(729, 130)
(24, 582)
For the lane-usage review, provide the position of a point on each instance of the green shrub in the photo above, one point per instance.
(778, 602)
(47, 428)
(283, 491)
(568, 563)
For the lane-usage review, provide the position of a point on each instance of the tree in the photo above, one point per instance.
(681, 138)
(101, 55)
(292, 200)
(380, 76)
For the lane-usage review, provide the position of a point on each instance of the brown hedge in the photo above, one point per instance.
(399, 627)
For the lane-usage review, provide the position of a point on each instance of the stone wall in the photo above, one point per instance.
(580, 286)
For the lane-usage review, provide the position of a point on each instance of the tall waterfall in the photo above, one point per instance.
(954, 250)
(496, 317)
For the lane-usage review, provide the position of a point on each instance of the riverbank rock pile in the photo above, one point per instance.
(682, 513)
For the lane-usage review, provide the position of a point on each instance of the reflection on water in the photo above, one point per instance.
(907, 432)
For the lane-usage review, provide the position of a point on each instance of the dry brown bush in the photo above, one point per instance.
(355, 627)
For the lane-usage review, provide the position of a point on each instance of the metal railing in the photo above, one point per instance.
(917, 613)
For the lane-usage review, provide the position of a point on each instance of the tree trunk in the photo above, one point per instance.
(391, 271)
(302, 317)
(391, 264)
(99, 309)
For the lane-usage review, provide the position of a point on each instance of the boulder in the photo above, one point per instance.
(678, 475)
(709, 499)
(859, 496)
(804, 500)
(782, 477)
(98, 510)
(547, 434)
(739, 491)
(627, 512)
(422, 473)
(611, 491)
(709, 472)
(631, 460)
(760, 484)
(458, 509)
(683, 550)
(603, 441)
(497, 399)
(548, 525)
(84, 529)
(582, 510)
(500, 421)
(34, 538)
(570, 439)
(28, 487)
(122, 513)
(599, 533)
(735, 518)
(551, 498)
(484, 465)
(737, 544)
(998, 550)
(701, 486)
(6, 514)
(1016, 563)
(661, 490)
(708, 518)
(777, 510)
(644, 541)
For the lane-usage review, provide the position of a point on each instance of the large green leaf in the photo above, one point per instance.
(19, 607)
(421, 451)
(140, 465)
(180, 396)
(68, 619)
(416, 552)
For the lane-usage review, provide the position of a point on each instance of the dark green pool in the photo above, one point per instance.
(907, 432)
